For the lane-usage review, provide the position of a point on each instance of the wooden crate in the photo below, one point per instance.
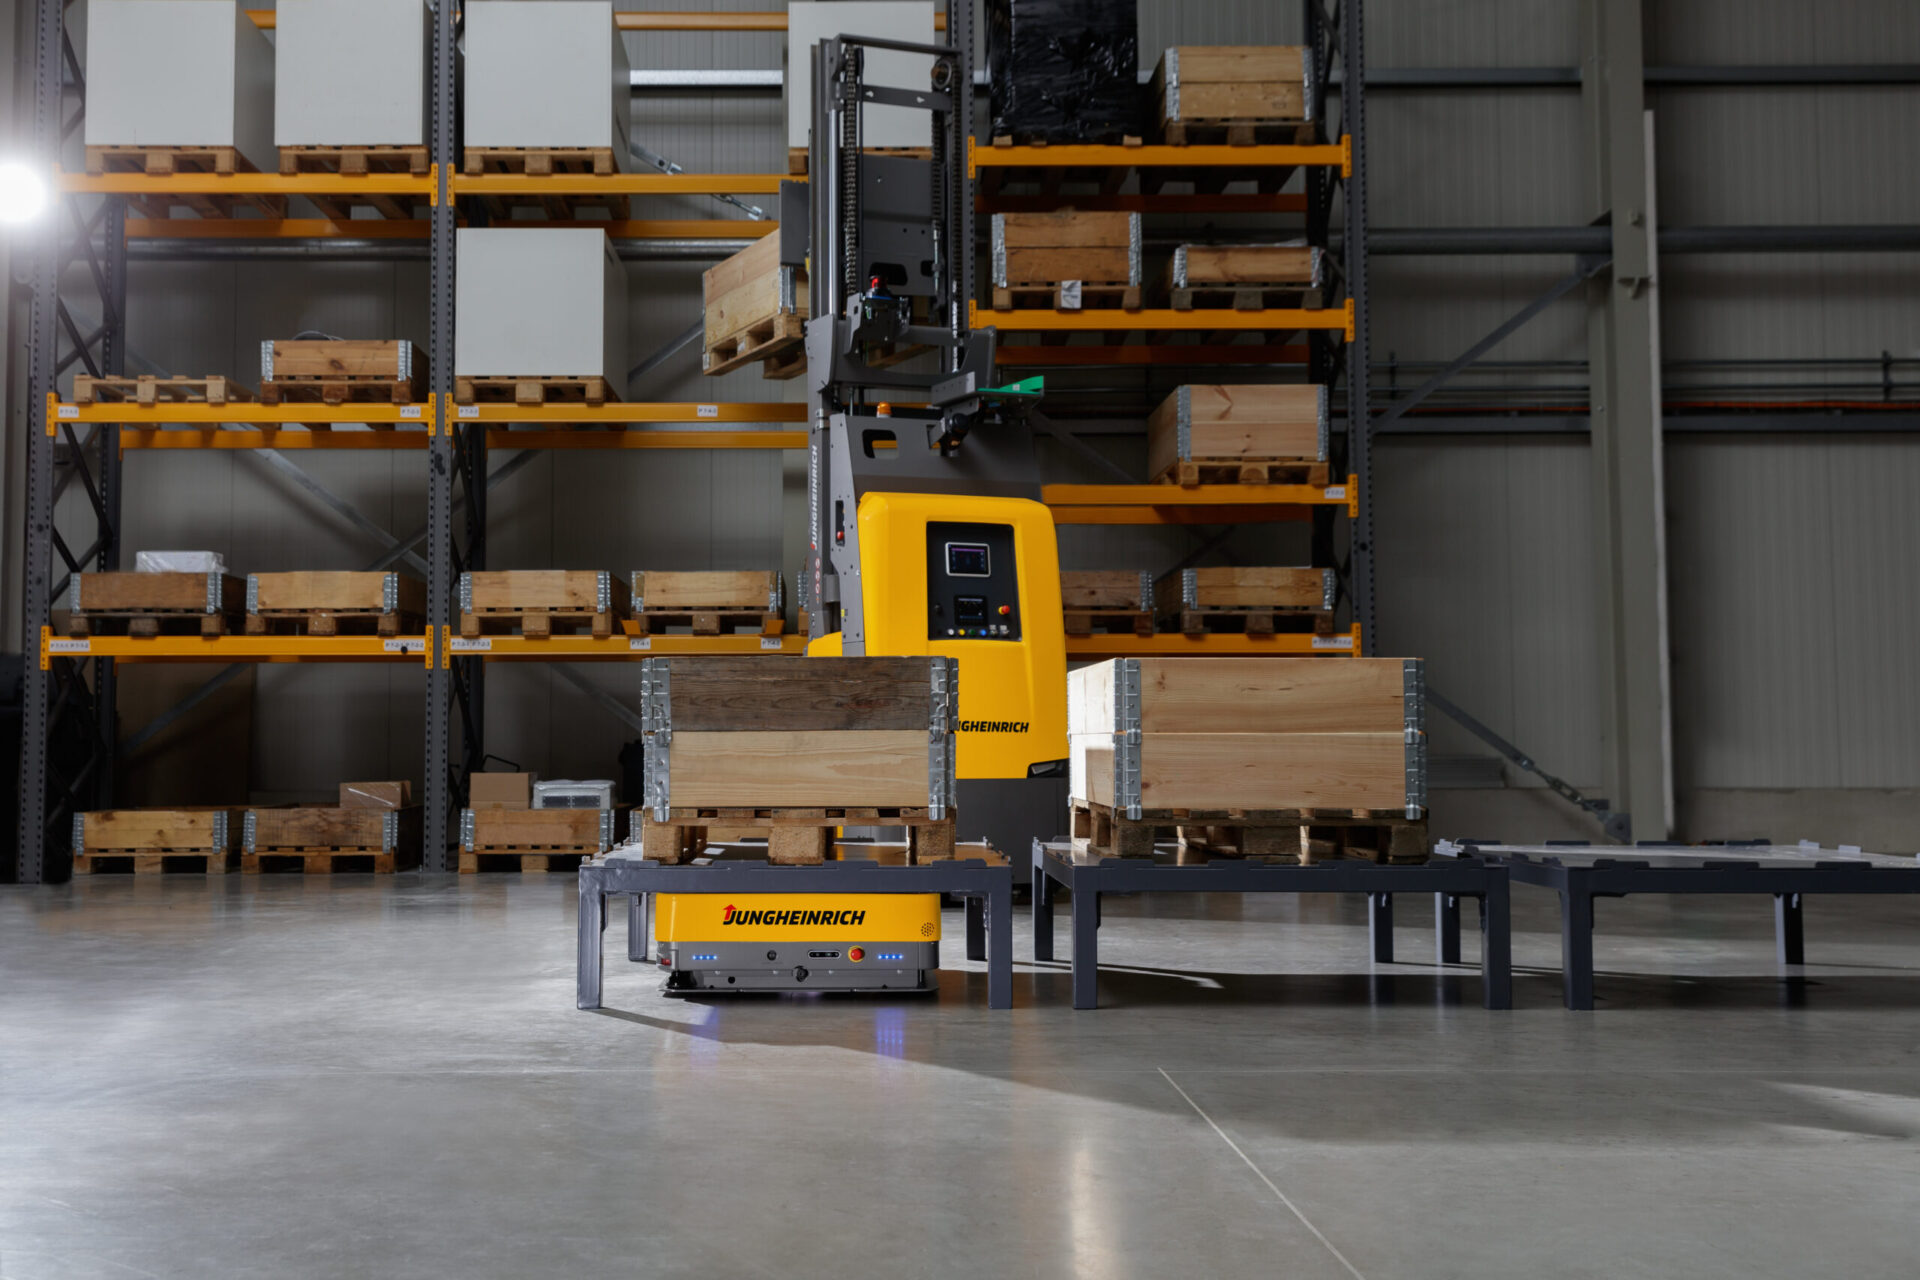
(1237, 94)
(1067, 260)
(146, 389)
(1110, 599)
(149, 603)
(532, 601)
(323, 838)
(710, 602)
(1245, 277)
(152, 841)
(1239, 434)
(799, 746)
(1255, 600)
(336, 371)
(328, 603)
(1266, 745)
(533, 840)
(756, 309)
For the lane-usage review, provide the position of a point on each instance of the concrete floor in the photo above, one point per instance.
(335, 1077)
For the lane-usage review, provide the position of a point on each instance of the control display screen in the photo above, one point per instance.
(968, 560)
(970, 611)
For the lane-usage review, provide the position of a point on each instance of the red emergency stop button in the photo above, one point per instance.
(856, 954)
(1006, 610)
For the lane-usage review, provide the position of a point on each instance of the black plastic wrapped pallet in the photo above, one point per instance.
(1064, 71)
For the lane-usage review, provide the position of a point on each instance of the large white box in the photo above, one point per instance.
(810, 23)
(539, 302)
(179, 73)
(532, 80)
(351, 73)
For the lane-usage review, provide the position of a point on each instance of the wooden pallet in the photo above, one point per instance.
(800, 158)
(167, 161)
(779, 341)
(1253, 621)
(1234, 133)
(1086, 622)
(529, 861)
(1074, 295)
(1199, 471)
(1030, 139)
(353, 162)
(532, 391)
(327, 860)
(335, 603)
(342, 371)
(708, 622)
(146, 389)
(145, 605)
(539, 624)
(536, 162)
(1249, 600)
(155, 862)
(1298, 836)
(1245, 297)
(755, 309)
(795, 836)
(150, 623)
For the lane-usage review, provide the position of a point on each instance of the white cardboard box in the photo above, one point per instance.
(531, 82)
(539, 302)
(810, 23)
(179, 73)
(351, 73)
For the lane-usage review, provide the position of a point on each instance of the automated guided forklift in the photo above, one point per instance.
(927, 536)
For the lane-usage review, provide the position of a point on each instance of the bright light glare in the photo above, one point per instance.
(23, 194)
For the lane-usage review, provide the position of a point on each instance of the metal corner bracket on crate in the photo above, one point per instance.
(656, 735)
(1413, 684)
(943, 716)
(1126, 736)
(249, 828)
(466, 830)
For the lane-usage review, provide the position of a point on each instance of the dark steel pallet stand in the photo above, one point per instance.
(1448, 880)
(988, 889)
(1789, 875)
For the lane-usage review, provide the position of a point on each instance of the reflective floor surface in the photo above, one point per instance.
(343, 1077)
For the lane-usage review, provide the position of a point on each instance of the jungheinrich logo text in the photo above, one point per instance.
(731, 915)
(993, 726)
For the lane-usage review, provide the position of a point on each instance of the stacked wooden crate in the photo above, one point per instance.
(1236, 94)
(756, 310)
(375, 827)
(800, 747)
(531, 602)
(1239, 435)
(501, 830)
(1245, 277)
(149, 604)
(328, 603)
(151, 841)
(340, 370)
(1067, 260)
(708, 602)
(1294, 758)
(1249, 600)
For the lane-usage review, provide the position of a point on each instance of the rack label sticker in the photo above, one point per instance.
(467, 411)
(471, 644)
(640, 642)
(1333, 642)
(1336, 492)
(769, 642)
(706, 411)
(410, 411)
(69, 411)
(69, 646)
(405, 646)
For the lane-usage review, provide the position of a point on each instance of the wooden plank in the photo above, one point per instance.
(1255, 770)
(308, 827)
(1066, 229)
(344, 592)
(1102, 589)
(126, 592)
(740, 590)
(559, 590)
(750, 693)
(1246, 264)
(1229, 423)
(1019, 267)
(346, 358)
(1245, 587)
(1239, 64)
(1243, 695)
(820, 768)
(156, 829)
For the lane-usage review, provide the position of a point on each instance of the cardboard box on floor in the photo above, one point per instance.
(376, 795)
(500, 791)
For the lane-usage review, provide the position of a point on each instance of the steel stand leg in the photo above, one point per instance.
(1496, 946)
(1446, 927)
(1380, 926)
(1576, 942)
(1789, 928)
(976, 929)
(638, 905)
(593, 922)
(999, 940)
(1086, 948)
(1042, 909)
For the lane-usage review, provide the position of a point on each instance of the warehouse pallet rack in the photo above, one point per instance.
(1448, 880)
(987, 887)
(69, 727)
(1789, 873)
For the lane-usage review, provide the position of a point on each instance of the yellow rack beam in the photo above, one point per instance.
(497, 438)
(1171, 504)
(615, 413)
(654, 21)
(500, 439)
(333, 185)
(1277, 155)
(617, 184)
(418, 229)
(1155, 321)
(626, 648)
(238, 648)
(281, 415)
(1096, 648)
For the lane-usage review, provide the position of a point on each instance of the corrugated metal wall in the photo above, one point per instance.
(1793, 561)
